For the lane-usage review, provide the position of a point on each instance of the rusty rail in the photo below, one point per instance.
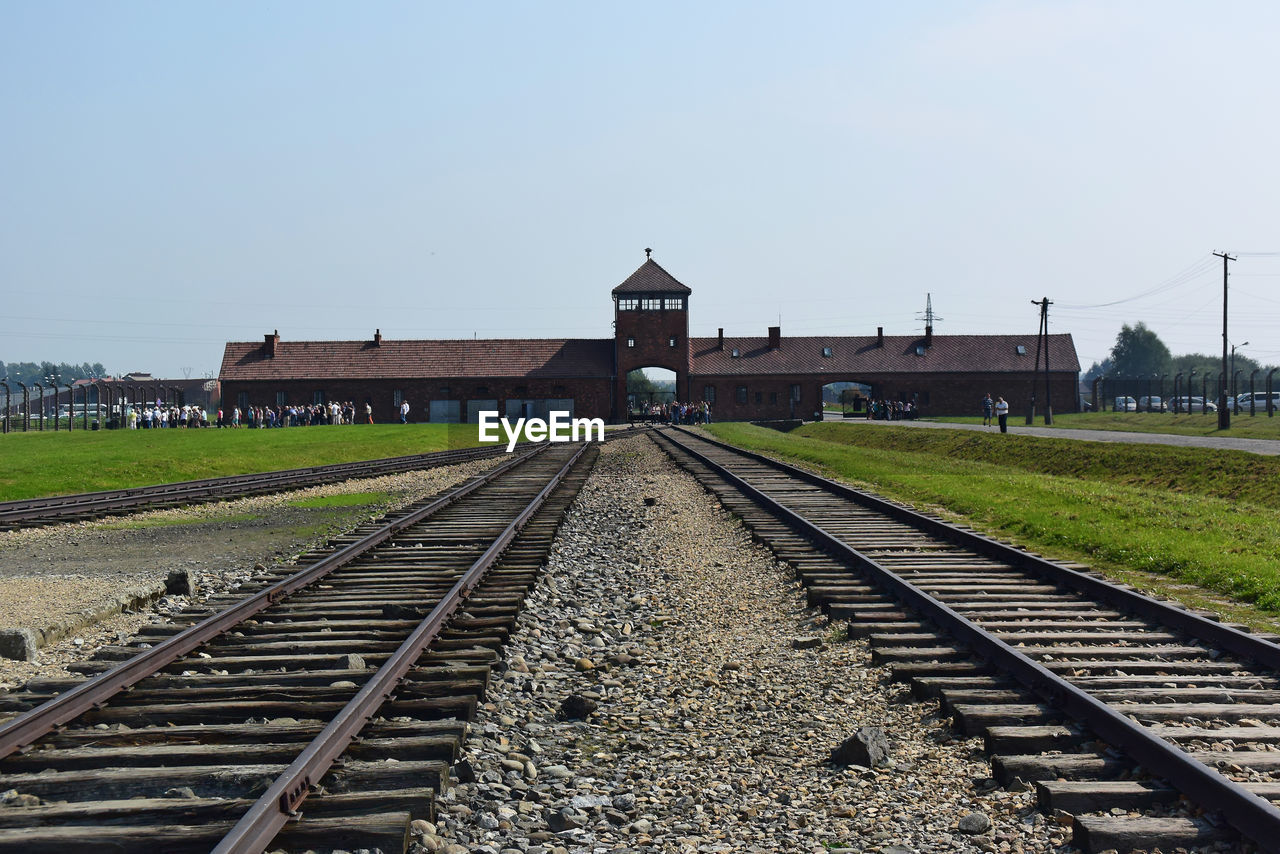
(24, 730)
(1249, 814)
(283, 799)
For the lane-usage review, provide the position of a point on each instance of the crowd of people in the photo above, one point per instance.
(891, 410)
(673, 413)
(167, 416)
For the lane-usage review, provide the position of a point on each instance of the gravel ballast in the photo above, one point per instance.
(710, 711)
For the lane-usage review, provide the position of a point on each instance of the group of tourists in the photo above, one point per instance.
(891, 410)
(675, 413)
(296, 416)
(158, 417)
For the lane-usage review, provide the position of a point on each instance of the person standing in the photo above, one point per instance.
(404, 412)
(987, 407)
(1002, 414)
(368, 412)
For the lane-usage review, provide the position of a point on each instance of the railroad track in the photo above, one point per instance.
(1151, 725)
(324, 711)
(32, 512)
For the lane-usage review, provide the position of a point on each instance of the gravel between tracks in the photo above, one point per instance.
(713, 729)
(62, 573)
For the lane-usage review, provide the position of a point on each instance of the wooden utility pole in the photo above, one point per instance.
(1224, 411)
(1042, 343)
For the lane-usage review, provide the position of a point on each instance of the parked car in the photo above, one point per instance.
(1126, 404)
(1194, 404)
(1259, 400)
(1150, 404)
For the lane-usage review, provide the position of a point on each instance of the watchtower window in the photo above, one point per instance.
(673, 303)
(631, 342)
(671, 342)
(650, 303)
(628, 304)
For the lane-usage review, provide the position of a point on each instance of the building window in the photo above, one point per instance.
(650, 303)
(1022, 351)
(317, 397)
(773, 397)
(671, 342)
(740, 394)
(795, 392)
(280, 398)
(709, 393)
(673, 303)
(919, 349)
(630, 304)
(397, 398)
(759, 397)
(828, 352)
(735, 354)
(631, 342)
(242, 400)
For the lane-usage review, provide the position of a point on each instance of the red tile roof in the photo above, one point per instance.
(860, 354)
(504, 357)
(649, 278)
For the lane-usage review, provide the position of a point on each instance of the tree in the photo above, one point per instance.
(1139, 352)
(1097, 369)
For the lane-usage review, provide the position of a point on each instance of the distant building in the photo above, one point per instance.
(744, 378)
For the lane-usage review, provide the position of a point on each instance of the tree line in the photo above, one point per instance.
(39, 372)
(1139, 352)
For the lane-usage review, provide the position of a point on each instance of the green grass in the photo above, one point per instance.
(1195, 424)
(48, 463)
(1154, 515)
(346, 500)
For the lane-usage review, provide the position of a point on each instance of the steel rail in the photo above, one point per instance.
(1251, 815)
(283, 799)
(1226, 638)
(25, 729)
(20, 510)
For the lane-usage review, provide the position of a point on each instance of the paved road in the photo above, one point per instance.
(1269, 447)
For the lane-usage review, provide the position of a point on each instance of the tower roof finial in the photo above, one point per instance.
(647, 253)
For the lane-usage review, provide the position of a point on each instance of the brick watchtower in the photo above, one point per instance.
(651, 329)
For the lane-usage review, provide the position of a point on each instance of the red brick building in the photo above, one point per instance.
(744, 378)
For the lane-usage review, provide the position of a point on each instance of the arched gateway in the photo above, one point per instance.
(742, 378)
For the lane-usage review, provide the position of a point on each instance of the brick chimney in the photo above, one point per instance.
(377, 337)
(775, 337)
(928, 335)
(720, 342)
(269, 344)
(879, 336)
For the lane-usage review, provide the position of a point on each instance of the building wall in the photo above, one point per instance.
(769, 396)
(591, 396)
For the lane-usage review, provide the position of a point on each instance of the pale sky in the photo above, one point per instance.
(177, 175)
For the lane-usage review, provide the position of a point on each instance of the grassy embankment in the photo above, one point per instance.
(48, 463)
(1195, 424)
(1193, 524)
